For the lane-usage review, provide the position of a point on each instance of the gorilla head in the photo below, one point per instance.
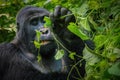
(29, 20)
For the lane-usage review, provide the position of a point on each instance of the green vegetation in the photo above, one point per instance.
(97, 20)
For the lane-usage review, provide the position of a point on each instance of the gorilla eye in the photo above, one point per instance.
(34, 22)
(42, 19)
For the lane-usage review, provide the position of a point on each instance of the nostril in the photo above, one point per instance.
(44, 31)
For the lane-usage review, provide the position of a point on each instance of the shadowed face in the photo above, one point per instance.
(48, 45)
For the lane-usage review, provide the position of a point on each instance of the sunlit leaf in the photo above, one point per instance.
(74, 29)
(59, 54)
(82, 9)
(48, 22)
(71, 55)
(85, 24)
(99, 40)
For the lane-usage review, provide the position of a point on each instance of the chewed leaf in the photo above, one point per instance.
(37, 44)
(48, 22)
(59, 54)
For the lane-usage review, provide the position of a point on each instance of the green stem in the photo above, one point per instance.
(73, 68)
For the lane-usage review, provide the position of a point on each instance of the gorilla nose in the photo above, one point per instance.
(45, 31)
(45, 34)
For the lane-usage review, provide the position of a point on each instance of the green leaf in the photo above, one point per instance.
(115, 69)
(37, 44)
(38, 34)
(90, 57)
(39, 58)
(71, 55)
(48, 22)
(74, 29)
(85, 24)
(59, 54)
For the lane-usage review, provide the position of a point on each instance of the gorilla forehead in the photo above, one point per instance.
(30, 11)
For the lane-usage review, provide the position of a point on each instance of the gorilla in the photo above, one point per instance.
(18, 58)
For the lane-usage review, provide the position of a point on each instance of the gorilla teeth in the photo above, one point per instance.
(44, 42)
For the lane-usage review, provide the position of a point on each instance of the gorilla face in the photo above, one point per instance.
(48, 45)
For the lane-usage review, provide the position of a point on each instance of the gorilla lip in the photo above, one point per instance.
(44, 42)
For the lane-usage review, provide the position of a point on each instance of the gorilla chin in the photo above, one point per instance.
(48, 49)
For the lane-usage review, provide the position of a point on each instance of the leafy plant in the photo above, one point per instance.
(77, 31)
(97, 20)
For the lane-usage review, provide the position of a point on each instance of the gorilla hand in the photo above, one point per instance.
(61, 17)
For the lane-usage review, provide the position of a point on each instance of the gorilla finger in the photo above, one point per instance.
(51, 15)
(63, 11)
(57, 11)
(70, 17)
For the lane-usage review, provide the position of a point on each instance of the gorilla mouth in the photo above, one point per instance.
(44, 42)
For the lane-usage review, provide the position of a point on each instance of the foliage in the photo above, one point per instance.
(97, 20)
(48, 22)
(59, 54)
(77, 31)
